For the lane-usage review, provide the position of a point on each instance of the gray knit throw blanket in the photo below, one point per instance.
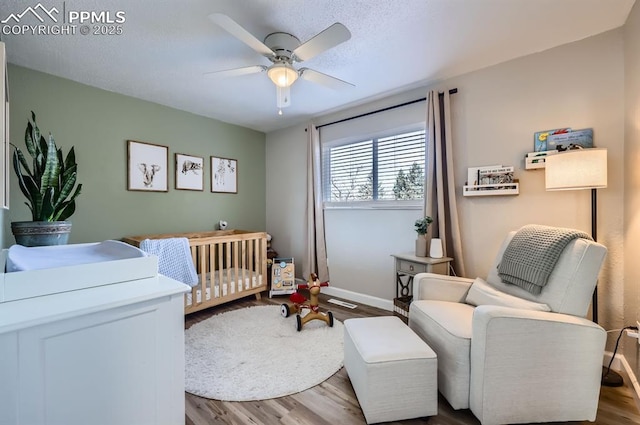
(532, 254)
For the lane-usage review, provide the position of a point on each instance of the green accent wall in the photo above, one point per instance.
(99, 123)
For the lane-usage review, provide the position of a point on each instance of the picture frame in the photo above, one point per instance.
(189, 172)
(147, 167)
(224, 175)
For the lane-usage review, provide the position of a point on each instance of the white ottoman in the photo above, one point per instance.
(393, 372)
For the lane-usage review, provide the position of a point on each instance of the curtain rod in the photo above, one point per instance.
(452, 91)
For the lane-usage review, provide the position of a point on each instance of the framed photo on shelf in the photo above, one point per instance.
(189, 172)
(147, 166)
(224, 175)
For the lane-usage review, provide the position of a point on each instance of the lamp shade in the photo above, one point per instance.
(282, 74)
(576, 169)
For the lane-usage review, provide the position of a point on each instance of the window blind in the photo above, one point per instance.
(389, 168)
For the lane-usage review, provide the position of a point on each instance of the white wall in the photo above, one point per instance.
(494, 115)
(360, 244)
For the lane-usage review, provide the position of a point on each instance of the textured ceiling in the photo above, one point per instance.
(167, 46)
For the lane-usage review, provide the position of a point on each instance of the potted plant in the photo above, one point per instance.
(48, 184)
(422, 242)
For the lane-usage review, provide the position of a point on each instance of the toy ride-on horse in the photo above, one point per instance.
(300, 302)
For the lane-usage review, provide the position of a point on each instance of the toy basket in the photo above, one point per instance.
(401, 307)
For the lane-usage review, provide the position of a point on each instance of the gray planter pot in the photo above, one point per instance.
(422, 245)
(41, 233)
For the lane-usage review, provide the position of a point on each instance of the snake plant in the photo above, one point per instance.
(49, 182)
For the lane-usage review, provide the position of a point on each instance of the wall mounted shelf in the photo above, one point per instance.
(492, 189)
(529, 164)
(536, 160)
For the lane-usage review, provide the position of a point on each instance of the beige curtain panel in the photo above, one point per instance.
(316, 250)
(440, 194)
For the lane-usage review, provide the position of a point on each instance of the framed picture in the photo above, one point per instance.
(189, 172)
(147, 167)
(224, 175)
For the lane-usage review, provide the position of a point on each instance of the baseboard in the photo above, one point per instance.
(622, 366)
(356, 297)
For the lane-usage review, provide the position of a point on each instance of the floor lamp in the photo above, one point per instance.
(582, 169)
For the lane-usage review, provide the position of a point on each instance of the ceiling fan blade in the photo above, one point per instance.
(233, 28)
(330, 37)
(324, 79)
(235, 72)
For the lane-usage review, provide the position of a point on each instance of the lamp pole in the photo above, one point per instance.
(594, 235)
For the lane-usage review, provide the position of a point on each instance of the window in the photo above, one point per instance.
(379, 169)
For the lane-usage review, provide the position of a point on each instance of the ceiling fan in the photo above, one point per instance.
(283, 49)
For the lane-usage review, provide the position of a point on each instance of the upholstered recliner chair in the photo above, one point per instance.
(512, 356)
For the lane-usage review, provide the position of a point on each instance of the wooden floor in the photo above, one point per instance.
(334, 403)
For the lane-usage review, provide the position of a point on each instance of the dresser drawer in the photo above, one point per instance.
(411, 268)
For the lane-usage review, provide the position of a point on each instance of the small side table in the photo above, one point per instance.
(407, 266)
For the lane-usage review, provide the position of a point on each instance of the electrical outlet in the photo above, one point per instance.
(634, 334)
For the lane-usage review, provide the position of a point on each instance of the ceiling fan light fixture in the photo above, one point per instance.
(282, 74)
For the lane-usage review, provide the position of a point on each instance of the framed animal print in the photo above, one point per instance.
(189, 172)
(147, 167)
(224, 175)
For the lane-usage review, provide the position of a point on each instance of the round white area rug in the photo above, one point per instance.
(255, 354)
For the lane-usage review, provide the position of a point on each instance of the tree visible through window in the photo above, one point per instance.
(379, 169)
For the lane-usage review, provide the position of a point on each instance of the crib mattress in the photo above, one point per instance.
(231, 283)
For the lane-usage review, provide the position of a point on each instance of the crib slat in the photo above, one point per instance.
(228, 266)
(236, 269)
(263, 260)
(243, 263)
(255, 262)
(247, 262)
(194, 289)
(210, 268)
(202, 270)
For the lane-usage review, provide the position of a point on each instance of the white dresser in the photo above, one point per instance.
(110, 354)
